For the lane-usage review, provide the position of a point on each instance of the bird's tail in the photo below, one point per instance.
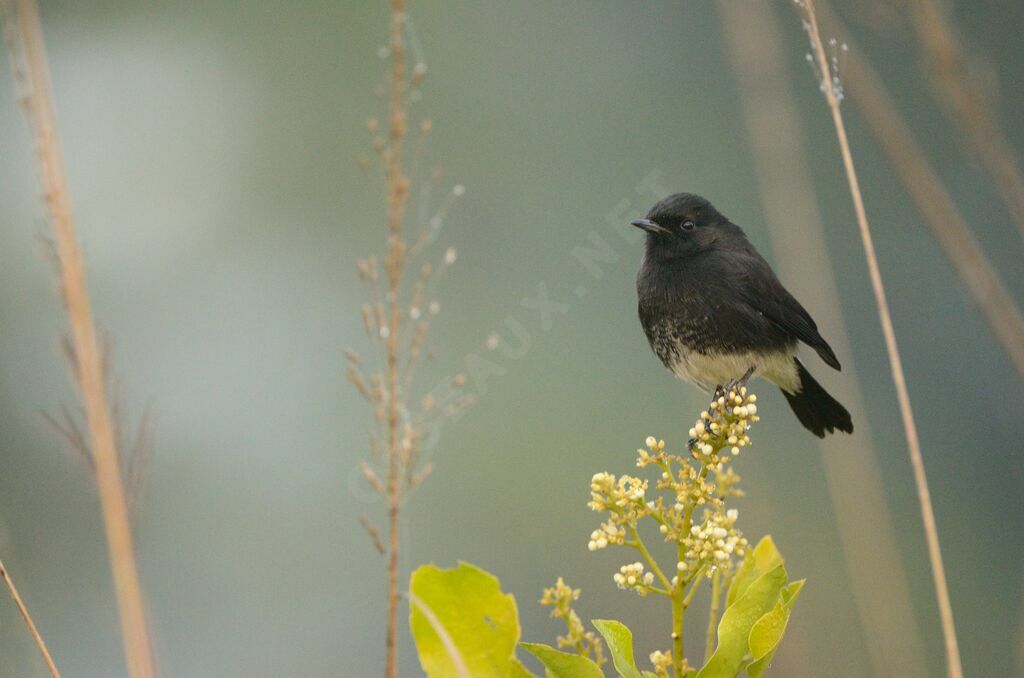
(815, 408)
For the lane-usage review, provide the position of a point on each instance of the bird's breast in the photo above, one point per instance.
(708, 370)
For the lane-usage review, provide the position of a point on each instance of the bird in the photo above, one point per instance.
(715, 313)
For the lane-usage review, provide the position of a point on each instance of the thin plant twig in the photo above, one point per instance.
(87, 348)
(953, 662)
(6, 576)
(712, 632)
(779, 149)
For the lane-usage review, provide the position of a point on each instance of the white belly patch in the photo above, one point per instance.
(708, 371)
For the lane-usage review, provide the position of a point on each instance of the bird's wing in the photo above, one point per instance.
(763, 293)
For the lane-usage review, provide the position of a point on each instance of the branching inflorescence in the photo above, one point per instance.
(560, 597)
(401, 288)
(700, 484)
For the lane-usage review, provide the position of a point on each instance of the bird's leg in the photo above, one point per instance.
(735, 384)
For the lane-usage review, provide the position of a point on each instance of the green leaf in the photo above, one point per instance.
(563, 664)
(519, 671)
(765, 557)
(766, 633)
(734, 629)
(463, 624)
(620, 643)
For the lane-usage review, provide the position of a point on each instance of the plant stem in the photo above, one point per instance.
(679, 602)
(953, 662)
(88, 355)
(693, 589)
(638, 544)
(716, 594)
(678, 610)
(397, 191)
(28, 621)
(676, 596)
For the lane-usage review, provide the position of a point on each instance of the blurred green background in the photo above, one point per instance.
(211, 154)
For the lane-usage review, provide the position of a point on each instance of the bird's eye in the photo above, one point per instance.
(688, 225)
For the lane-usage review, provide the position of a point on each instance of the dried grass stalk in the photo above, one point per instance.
(6, 576)
(778, 146)
(896, 364)
(30, 65)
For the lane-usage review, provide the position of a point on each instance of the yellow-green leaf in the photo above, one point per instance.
(734, 629)
(762, 559)
(519, 671)
(463, 625)
(620, 643)
(562, 664)
(766, 633)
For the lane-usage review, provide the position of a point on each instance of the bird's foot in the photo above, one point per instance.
(734, 384)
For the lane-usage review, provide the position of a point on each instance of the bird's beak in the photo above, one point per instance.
(648, 225)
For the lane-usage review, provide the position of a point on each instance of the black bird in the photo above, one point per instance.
(714, 312)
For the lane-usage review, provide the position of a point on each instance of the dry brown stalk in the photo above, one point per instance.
(953, 662)
(398, 193)
(374, 535)
(778, 145)
(87, 349)
(396, 316)
(934, 202)
(957, 90)
(6, 576)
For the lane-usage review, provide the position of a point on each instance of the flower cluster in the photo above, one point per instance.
(625, 501)
(688, 503)
(608, 533)
(561, 596)
(725, 426)
(714, 542)
(701, 480)
(662, 662)
(633, 577)
(607, 494)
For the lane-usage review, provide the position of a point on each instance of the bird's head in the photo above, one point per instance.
(684, 224)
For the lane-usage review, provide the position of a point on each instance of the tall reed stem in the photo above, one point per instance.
(89, 359)
(953, 662)
(5, 575)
